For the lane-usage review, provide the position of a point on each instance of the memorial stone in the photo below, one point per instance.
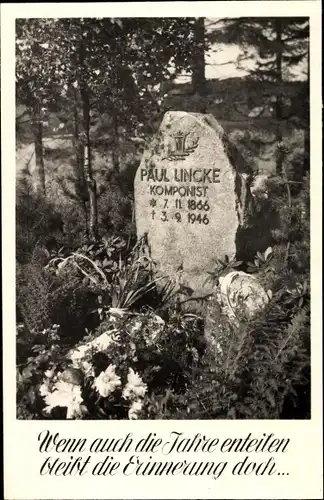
(192, 198)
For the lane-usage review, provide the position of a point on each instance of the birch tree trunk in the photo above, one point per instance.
(92, 190)
(79, 156)
(278, 105)
(37, 128)
(88, 173)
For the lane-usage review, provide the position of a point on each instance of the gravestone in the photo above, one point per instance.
(192, 198)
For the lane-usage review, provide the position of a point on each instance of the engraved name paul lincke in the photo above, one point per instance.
(195, 210)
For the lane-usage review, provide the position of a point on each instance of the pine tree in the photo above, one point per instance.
(274, 47)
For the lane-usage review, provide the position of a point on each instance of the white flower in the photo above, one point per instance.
(100, 343)
(159, 320)
(78, 354)
(65, 395)
(49, 373)
(57, 377)
(135, 387)
(134, 410)
(44, 388)
(104, 340)
(87, 368)
(107, 381)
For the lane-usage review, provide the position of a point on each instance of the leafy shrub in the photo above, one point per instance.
(116, 213)
(33, 296)
(253, 374)
(43, 299)
(121, 277)
(74, 308)
(116, 200)
(38, 223)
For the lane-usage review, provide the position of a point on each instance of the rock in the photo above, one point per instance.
(241, 296)
(193, 200)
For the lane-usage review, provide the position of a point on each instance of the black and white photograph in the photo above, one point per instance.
(162, 218)
(161, 250)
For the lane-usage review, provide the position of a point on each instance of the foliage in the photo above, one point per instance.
(43, 300)
(61, 66)
(38, 223)
(256, 372)
(222, 267)
(267, 37)
(251, 376)
(62, 57)
(262, 260)
(274, 48)
(107, 375)
(33, 289)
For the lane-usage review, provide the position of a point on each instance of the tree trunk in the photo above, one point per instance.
(37, 128)
(88, 173)
(307, 124)
(115, 144)
(198, 64)
(86, 218)
(82, 189)
(306, 151)
(278, 105)
(77, 143)
(92, 190)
